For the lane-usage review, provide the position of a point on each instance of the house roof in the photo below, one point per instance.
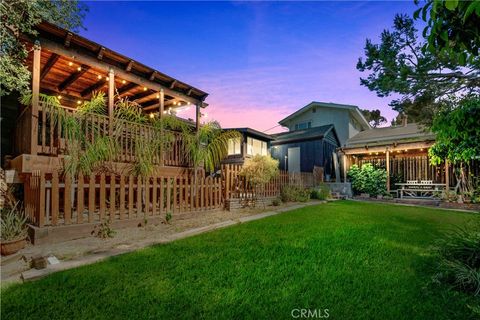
(354, 111)
(411, 132)
(302, 135)
(253, 133)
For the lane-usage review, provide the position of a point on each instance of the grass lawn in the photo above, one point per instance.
(359, 260)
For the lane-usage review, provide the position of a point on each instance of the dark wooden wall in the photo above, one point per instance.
(312, 153)
(9, 112)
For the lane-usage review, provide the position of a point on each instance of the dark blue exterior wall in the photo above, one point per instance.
(316, 152)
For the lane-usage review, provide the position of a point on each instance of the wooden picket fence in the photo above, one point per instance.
(55, 199)
(236, 186)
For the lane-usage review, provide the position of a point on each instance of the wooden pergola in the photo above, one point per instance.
(72, 68)
(411, 151)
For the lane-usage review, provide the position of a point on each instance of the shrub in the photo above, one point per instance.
(458, 262)
(294, 193)
(103, 230)
(367, 179)
(276, 202)
(320, 193)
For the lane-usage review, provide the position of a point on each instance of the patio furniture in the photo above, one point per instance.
(424, 189)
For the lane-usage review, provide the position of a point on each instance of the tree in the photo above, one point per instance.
(374, 117)
(453, 28)
(258, 171)
(398, 64)
(21, 17)
(457, 136)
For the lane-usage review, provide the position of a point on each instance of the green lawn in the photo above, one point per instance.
(359, 260)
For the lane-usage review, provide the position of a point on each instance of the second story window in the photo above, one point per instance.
(234, 147)
(255, 146)
(303, 125)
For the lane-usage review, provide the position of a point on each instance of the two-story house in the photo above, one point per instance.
(315, 133)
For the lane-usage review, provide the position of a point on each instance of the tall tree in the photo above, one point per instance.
(453, 27)
(21, 17)
(374, 117)
(398, 64)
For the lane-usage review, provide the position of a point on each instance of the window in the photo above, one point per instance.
(255, 146)
(303, 125)
(234, 147)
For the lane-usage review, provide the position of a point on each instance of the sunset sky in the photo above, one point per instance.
(259, 61)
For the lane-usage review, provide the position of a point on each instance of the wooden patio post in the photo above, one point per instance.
(345, 166)
(447, 176)
(161, 107)
(37, 50)
(197, 116)
(111, 97)
(387, 164)
(161, 103)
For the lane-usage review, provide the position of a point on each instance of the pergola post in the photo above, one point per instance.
(447, 176)
(37, 50)
(161, 107)
(161, 103)
(345, 166)
(197, 116)
(387, 165)
(111, 97)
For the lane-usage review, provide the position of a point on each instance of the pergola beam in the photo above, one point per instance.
(383, 148)
(94, 87)
(100, 53)
(142, 95)
(119, 72)
(51, 61)
(127, 87)
(72, 78)
(129, 66)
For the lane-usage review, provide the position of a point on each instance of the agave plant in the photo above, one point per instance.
(13, 223)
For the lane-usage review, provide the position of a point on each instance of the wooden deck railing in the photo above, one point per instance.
(51, 140)
(54, 199)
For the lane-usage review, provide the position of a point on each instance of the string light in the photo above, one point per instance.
(124, 81)
(78, 101)
(144, 88)
(421, 149)
(99, 77)
(59, 97)
(107, 78)
(70, 63)
(152, 115)
(79, 68)
(158, 96)
(406, 150)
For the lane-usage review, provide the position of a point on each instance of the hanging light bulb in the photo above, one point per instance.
(107, 78)
(70, 63)
(124, 81)
(79, 69)
(152, 115)
(158, 96)
(99, 77)
(79, 101)
(59, 97)
(144, 88)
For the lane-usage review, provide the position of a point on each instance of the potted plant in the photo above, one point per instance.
(13, 230)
